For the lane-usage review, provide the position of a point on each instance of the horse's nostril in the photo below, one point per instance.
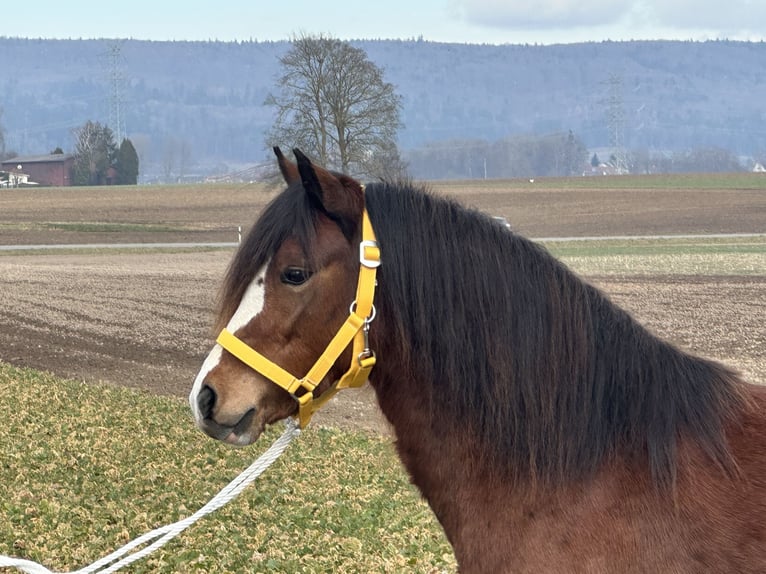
(206, 401)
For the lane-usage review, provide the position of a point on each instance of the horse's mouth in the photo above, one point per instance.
(245, 432)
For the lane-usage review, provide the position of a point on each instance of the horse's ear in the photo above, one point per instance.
(340, 195)
(289, 169)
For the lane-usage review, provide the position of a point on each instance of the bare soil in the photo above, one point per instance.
(143, 319)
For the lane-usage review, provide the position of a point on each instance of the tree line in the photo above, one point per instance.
(553, 155)
(697, 160)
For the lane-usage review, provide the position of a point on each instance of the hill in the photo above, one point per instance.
(198, 106)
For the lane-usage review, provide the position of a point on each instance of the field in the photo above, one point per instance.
(141, 318)
(88, 467)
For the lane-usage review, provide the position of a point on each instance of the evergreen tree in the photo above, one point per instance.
(126, 164)
(575, 154)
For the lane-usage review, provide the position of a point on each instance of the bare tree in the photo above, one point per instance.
(184, 158)
(334, 104)
(2, 136)
(169, 155)
(142, 142)
(95, 152)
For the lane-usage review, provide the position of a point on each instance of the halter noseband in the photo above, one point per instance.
(355, 328)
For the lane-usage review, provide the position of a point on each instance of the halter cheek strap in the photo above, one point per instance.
(355, 329)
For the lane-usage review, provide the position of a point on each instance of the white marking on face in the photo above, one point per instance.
(251, 304)
(210, 362)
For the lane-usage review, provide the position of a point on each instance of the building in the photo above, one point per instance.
(13, 179)
(52, 170)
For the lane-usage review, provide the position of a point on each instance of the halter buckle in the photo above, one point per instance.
(369, 254)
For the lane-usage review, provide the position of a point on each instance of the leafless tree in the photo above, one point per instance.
(95, 151)
(169, 157)
(142, 142)
(2, 136)
(333, 103)
(184, 158)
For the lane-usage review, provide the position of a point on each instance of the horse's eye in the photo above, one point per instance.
(295, 276)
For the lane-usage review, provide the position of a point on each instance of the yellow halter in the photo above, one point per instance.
(355, 328)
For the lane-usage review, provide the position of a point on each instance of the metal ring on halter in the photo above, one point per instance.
(370, 319)
(365, 354)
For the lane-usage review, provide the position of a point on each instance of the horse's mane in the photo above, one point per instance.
(535, 360)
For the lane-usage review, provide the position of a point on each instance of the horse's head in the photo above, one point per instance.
(286, 294)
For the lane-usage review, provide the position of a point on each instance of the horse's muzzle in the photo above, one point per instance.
(238, 432)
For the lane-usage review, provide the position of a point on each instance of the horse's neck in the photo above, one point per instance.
(443, 461)
(474, 502)
(427, 449)
(496, 525)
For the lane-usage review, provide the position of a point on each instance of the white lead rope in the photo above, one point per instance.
(163, 535)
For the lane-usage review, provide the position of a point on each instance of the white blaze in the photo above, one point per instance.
(251, 304)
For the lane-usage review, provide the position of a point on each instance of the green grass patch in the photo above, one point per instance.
(87, 468)
(110, 250)
(100, 227)
(664, 246)
(96, 227)
(680, 181)
(676, 182)
(677, 256)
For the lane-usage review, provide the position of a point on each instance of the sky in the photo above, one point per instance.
(460, 21)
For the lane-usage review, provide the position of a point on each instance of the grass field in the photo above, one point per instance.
(684, 256)
(678, 182)
(87, 468)
(744, 256)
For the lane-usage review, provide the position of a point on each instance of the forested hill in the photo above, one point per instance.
(203, 101)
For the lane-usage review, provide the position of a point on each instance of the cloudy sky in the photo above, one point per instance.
(464, 21)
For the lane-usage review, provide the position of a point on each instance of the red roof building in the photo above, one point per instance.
(53, 170)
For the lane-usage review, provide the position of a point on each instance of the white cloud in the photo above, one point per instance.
(732, 18)
(542, 13)
(711, 14)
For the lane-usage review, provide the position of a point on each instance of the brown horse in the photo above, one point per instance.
(547, 429)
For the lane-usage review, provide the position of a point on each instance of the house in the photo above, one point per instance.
(13, 179)
(52, 170)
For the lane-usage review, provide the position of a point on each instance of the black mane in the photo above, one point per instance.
(537, 361)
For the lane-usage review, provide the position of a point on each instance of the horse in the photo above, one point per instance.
(547, 429)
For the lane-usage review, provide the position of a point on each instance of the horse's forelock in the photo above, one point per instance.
(290, 214)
